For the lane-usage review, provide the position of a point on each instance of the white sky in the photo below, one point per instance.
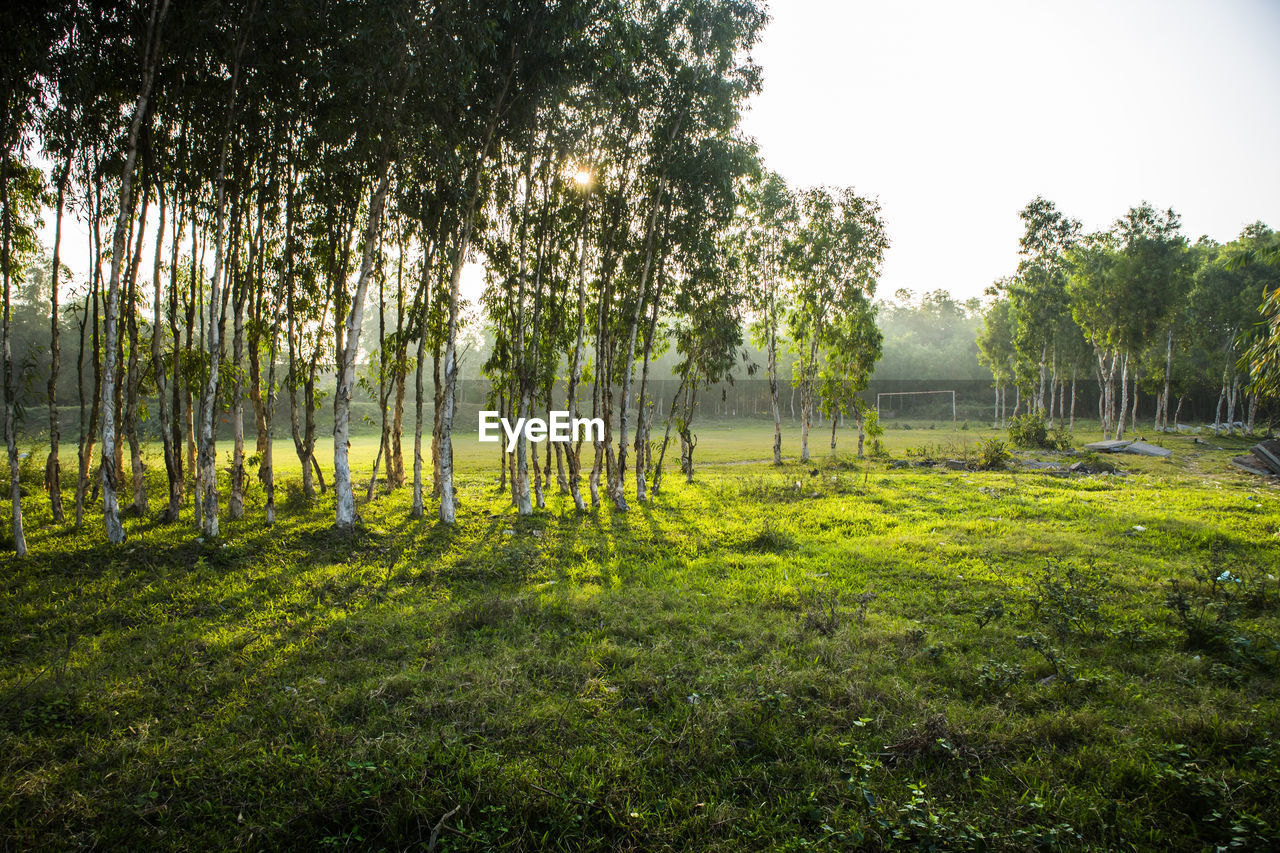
(958, 113)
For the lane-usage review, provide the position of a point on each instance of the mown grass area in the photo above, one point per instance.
(844, 655)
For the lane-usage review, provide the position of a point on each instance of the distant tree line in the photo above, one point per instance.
(1136, 309)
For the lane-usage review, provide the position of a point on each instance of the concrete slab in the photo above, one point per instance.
(1109, 446)
(1141, 448)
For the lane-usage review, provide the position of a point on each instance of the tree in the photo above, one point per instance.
(996, 350)
(835, 260)
(26, 45)
(1038, 292)
(771, 211)
(852, 348)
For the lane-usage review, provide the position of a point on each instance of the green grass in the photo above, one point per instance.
(834, 656)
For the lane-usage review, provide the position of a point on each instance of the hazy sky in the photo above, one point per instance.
(957, 114)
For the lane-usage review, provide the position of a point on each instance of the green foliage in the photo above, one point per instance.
(1208, 609)
(993, 454)
(1069, 599)
(772, 539)
(1029, 431)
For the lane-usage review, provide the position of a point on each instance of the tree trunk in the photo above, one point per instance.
(240, 287)
(136, 466)
(84, 442)
(772, 355)
(157, 343)
(186, 414)
(1039, 400)
(448, 500)
(110, 508)
(89, 429)
(395, 462)
(806, 397)
(1232, 397)
(644, 417)
(1124, 396)
(343, 493)
(1133, 418)
(1072, 425)
(207, 485)
(437, 417)
(619, 493)
(6, 364)
(171, 411)
(575, 370)
(53, 466)
(267, 471)
(417, 510)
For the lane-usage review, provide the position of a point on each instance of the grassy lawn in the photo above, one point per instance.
(838, 656)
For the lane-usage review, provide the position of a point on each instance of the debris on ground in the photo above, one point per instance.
(1098, 467)
(1045, 467)
(1141, 448)
(1263, 459)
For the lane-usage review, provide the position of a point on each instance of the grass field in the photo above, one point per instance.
(843, 655)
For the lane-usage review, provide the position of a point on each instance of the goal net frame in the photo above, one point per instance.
(916, 394)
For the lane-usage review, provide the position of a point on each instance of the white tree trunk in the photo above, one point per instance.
(1124, 396)
(773, 386)
(575, 373)
(619, 491)
(10, 386)
(344, 495)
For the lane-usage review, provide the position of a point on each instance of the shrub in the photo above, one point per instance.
(1208, 609)
(993, 454)
(1069, 600)
(1029, 431)
(771, 539)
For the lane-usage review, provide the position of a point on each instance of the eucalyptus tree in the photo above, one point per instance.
(704, 76)
(770, 208)
(150, 49)
(708, 309)
(207, 472)
(59, 133)
(1150, 264)
(852, 347)
(701, 247)
(995, 348)
(1263, 357)
(377, 69)
(527, 252)
(1226, 296)
(1094, 299)
(513, 59)
(1039, 290)
(22, 189)
(31, 33)
(834, 259)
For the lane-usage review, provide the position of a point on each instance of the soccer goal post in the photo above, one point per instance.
(884, 394)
